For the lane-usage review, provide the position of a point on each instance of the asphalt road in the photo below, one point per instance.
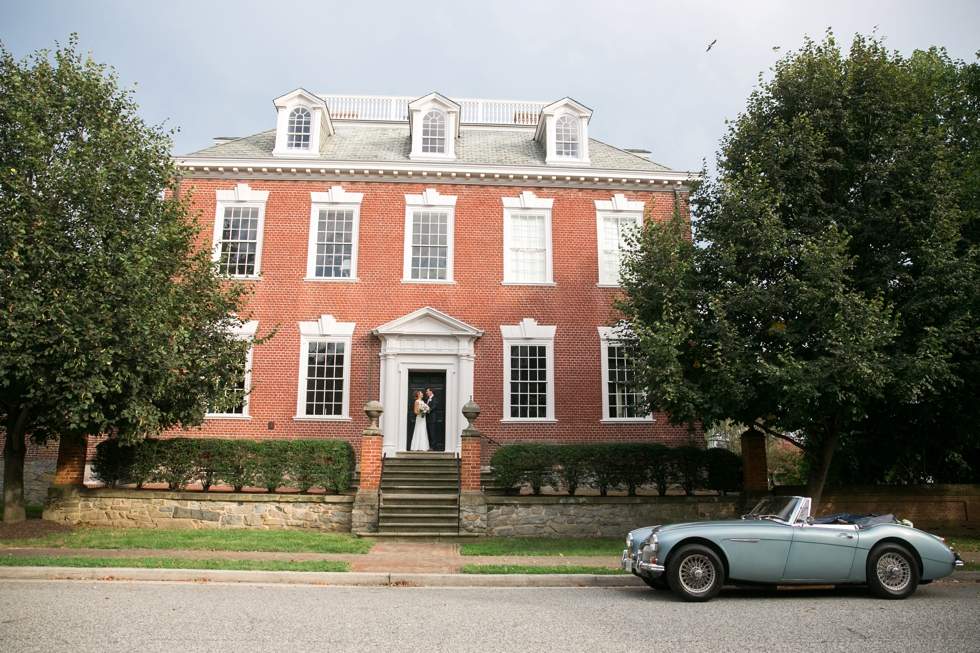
(81, 616)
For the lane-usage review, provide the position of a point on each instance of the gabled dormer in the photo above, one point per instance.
(563, 130)
(303, 125)
(433, 122)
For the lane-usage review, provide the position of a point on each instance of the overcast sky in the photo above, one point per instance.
(213, 68)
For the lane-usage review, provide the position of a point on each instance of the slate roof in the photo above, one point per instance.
(491, 147)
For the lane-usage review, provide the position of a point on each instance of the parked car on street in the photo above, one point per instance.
(779, 543)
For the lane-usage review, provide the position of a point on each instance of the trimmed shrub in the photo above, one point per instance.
(603, 466)
(178, 462)
(113, 463)
(340, 460)
(272, 463)
(631, 461)
(208, 461)
(146, 461)
(524, 463)
(308, 464)
(571, 469)
(724, 470)
(688, 464)
(237, 465)
(660, 467)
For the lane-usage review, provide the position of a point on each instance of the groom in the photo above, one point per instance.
(430, 423)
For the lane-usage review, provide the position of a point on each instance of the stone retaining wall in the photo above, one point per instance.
(38, 477)
(224, 510)
(593, 516)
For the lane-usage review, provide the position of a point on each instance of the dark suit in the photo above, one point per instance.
(430, 424)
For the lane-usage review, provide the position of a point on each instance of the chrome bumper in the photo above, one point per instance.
(958, 563)
(649, 566)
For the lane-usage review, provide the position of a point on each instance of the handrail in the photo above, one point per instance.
(395, 108)
(380, 478)
(459, 487)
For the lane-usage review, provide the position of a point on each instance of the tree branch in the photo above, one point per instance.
(782, 436)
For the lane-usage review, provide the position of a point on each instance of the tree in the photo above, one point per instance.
(830, 280)
(113, 320)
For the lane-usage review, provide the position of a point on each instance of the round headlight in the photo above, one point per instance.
(629, 541)
(653, 542)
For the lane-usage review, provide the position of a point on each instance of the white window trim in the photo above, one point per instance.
(326, 329)
(609, 336)
(417, 110)
(529, 332)
(241, 197)
(321, 127)
(432, 200)
(617, 207)
(244, 332)
(528, 202)
(334, 199)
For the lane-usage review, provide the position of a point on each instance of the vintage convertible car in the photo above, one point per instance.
(779, 543)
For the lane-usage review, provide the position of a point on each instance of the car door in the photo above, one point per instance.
(757, 551)
(821, 552)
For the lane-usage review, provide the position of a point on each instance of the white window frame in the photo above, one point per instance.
(429, 200)
(440, 140)
(336, 199)
(241, 197)
(578, 137)
(326, 329)
(527, 203)
(618, 207)
(609, 337)
(244, 332)
(309, 137)
(530, 333)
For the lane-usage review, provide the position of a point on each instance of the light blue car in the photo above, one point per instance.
(779, 543)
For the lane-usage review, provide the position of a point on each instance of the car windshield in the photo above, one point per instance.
(774, 508)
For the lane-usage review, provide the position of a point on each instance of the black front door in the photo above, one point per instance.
(420, 380)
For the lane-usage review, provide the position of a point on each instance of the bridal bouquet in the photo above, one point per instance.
(424, 410)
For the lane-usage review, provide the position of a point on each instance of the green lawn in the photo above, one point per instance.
(970, 566)
(543, 546)
(964, 544)
(33, 512)
(201, 540)
(177, 563)
(544, 569)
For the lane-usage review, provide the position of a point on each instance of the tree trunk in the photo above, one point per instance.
(14, 452)
(817, 477)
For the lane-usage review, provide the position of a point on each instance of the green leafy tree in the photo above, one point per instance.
(113, 320)
(830, 282)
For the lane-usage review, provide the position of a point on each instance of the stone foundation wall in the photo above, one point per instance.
(38, 477)
(225, 510)
(593, 516)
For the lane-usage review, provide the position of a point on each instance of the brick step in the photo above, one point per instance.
(421, 476)
(407, 497)
(433, 523)
(417, 528)
(421, 490)
(441, 511)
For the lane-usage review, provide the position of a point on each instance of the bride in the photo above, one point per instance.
(420, 438)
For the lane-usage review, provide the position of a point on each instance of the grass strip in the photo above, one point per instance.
(542, 569)
(177, 563)
(543, 546)
(200, 540)
(969, 566)
(964, 544)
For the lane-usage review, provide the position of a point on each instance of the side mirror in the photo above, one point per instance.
(809, 521)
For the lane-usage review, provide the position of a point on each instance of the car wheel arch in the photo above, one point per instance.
(903, 543)
(703, 542)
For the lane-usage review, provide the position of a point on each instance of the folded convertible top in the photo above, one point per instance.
(861, 521)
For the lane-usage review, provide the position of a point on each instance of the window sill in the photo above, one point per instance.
(321, 418)
(607, 285)
(528, 420)
(435, 282)
(333, 279)
(547, 284)
(228, 416)
(242, 277)
(628, 420)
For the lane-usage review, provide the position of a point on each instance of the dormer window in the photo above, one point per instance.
(566, 137)
(434, 132)
(298, 131)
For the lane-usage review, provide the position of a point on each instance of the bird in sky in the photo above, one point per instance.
(712, 45)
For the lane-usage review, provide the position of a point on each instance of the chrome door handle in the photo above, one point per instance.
(846, 536)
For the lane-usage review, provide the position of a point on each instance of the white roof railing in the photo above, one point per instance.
(391, 107)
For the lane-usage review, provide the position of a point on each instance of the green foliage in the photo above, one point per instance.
(272, 463)
(723, 469)
(113, 463)
(147, 456)
(603, 467)
(689, 465)
(660, 467)
(178, 563)
(237, 465)
(542, 546)
(523, 463)
(178, 461)
(830, 291)
(113, 320)
(338, 457)
(571, 461)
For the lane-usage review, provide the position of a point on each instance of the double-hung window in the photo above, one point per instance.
(566, 137)
(527, 240)
(334, 223)
(429, 219)
(620, 399)
(240, 382)
(238, 227)
(617, 221)
(324, 370)
(529, 372)
(299, 129)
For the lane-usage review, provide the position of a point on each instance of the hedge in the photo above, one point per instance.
(273, 464)
(626, 466)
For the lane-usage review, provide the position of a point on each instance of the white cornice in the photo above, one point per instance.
(433, 173)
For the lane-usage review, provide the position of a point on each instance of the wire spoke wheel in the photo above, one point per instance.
(894, 571)
(697, 574)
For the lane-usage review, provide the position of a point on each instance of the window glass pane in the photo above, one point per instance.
(299, 129)
(566, 137)
(528, 248)
(622, 401)
(325, 378)
(334, 243)
(235, 386)
(614, 232)
(239, 241)
(434, 132)
(430, 245)
(528, 381)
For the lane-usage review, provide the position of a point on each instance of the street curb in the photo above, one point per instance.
(317, 578)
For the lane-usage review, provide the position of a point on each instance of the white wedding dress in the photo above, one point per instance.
(420, 437)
